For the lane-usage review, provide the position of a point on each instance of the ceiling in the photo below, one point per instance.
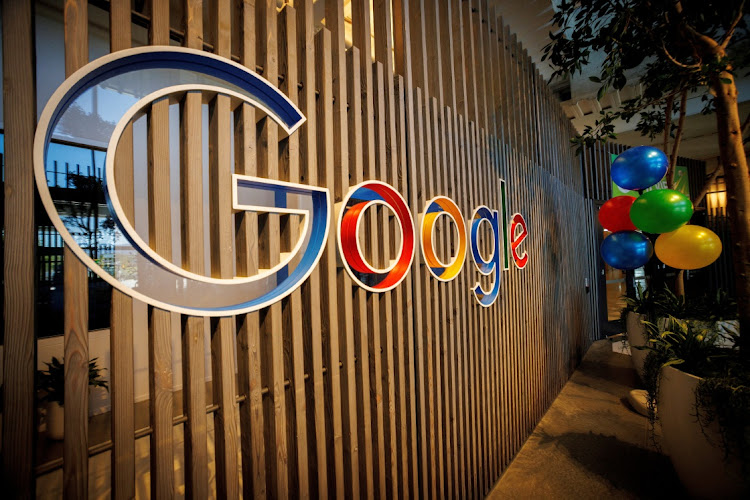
(700, 140)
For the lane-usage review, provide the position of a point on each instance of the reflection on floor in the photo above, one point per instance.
(590, 444)
(615, 298)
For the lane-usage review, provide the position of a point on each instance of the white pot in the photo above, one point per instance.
(696, 452)
(55, 420)
(637, 337)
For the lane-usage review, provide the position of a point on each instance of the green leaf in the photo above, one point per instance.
(726, 81)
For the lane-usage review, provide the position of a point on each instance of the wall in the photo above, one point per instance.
(418, 391)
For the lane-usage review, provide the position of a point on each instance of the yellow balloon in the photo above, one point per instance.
(689, 247)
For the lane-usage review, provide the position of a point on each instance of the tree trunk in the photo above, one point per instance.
(737, 178)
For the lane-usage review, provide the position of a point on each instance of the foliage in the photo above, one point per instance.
(660, 40)
(52, 380)
(715, 307)
(663, 303)
(722, 395)
(87, 213)
(725, 398)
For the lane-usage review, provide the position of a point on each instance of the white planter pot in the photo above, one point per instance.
(696, 453)
(637, 337)
(55, 419)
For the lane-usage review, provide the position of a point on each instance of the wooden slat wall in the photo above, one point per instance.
(417, 392)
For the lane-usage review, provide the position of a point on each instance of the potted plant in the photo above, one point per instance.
(51, 383)
(702, 389)
(717, 311)
(637, 312)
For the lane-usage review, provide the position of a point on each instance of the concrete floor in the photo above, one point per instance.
(590, 443)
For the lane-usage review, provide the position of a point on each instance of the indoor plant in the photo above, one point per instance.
(638, 311)
(51, 383)
(703, 393)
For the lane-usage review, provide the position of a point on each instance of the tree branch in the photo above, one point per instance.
(709, 42)
(732, 27)
(678, 63)
(677, 139)
(706, 186)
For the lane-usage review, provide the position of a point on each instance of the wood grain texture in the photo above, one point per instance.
(75, 446)
(222, 329)
(226, 430)
(328, 283)
(269, 244)
(160, 239)
(338, 182)
(311, 291)
(76, 315)
(121, 317)
(19, 359)
(416, 392)
(364, 333)
(250, 386)
(294, 342)
(193, 327)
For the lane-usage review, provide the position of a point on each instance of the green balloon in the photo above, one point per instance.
(661, 211)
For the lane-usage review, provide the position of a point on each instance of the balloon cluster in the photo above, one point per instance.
(660, 211)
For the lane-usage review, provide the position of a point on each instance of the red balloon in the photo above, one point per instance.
(615, 214)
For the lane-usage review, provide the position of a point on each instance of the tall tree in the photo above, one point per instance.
(678, 47)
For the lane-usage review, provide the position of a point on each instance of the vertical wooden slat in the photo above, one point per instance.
(403, 58)
(249, 356)
(424, 334)
(272, 340)
(366, 322)
(408, 398)
(222, 254)
(311, 289)
(193, 332)
(76, 336)
(160, 239)
(121, 330)
(393, 308)
(366, 305)
(461, 301)
(334, 14)
(431, 112)
(289, 170)
(19, 352)
(329, 323)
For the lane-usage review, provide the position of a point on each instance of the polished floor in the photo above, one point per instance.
(590, 443)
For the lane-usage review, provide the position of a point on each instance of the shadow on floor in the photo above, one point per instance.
(628, 467)
(590, 443)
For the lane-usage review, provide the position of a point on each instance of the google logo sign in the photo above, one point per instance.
(148, 74)
(367, 194)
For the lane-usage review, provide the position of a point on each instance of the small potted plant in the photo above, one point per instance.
(702, 388)
(51, 384)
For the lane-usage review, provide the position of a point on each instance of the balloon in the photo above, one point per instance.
(661, 211)
(615, 214)
(639, 168)
(626, 250)
(689, 247)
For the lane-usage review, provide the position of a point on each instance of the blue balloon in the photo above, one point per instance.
(639, 168)
(626, 250)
